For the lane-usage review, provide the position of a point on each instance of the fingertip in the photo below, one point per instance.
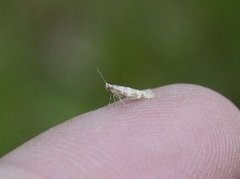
(185, 131)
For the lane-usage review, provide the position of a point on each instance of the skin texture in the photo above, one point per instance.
(184, 132)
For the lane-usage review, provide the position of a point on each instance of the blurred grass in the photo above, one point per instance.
(50, 50)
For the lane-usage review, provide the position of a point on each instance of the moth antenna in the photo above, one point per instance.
(101, 75)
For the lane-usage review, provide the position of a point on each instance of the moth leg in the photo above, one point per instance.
(119, 97)
(110, 98)
(114, 97)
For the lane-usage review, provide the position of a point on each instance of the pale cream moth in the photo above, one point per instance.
(126, 92)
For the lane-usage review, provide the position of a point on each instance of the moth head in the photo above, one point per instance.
(108, 87)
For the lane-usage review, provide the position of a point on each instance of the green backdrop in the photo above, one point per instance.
(50, 50)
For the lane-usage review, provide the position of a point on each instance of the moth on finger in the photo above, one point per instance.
(126, 92)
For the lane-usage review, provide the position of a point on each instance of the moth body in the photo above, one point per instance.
(129, 92)
(126, 92)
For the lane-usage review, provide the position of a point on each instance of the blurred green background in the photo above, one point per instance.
(50, 50)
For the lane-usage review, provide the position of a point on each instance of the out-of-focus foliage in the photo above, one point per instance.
(50, 50)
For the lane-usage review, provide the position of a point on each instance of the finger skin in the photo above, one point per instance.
(185, 132)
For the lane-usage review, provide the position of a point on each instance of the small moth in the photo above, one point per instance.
(125, 92)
